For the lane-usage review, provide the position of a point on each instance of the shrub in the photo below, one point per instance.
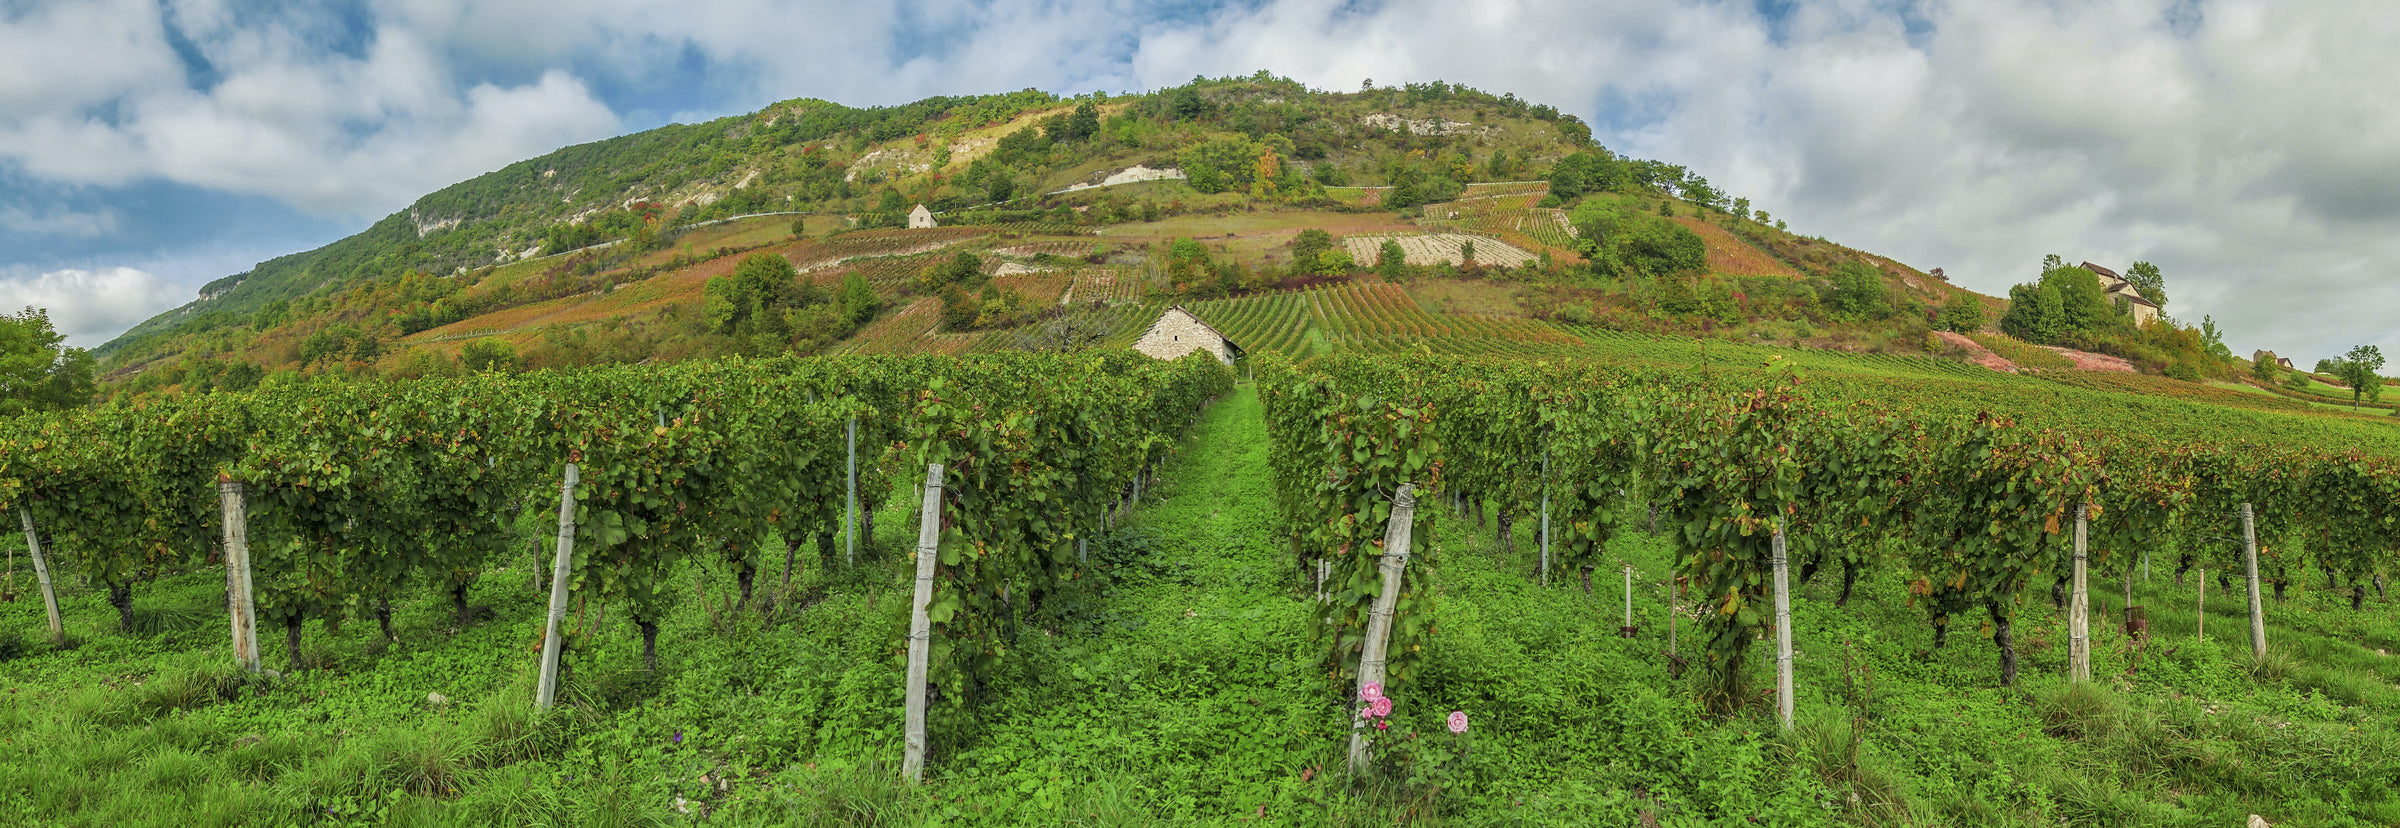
(1962, 314)
(1858, 293)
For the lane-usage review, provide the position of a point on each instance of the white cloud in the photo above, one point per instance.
(357, 135)
(2249, 148)
(89, 306)
(58, 223)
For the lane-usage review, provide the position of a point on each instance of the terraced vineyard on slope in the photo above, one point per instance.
(1373, 317)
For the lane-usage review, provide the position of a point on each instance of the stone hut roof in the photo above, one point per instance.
(1203, 323)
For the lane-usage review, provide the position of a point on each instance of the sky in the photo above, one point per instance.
(2249, 149)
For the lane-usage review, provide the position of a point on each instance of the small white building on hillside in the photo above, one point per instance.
(920, 217)
(1178, 332)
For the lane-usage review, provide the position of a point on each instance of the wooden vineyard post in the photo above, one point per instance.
(238, 593)
(1783, 629)
(1545, 515)
(41, 573)
(553, 638)
(2258, 611)
(850, 514)
(2079, 609)
(2134, 628)
(1628, 630)
(920, 627)
(850, 504)
(1372, 653)
(2200, 607)
(1674, 608)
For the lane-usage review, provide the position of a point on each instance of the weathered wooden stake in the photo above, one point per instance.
(1546, 516)
(1372, 653)
(850, 516)
(239, 598)
(2079, 610)
(1783, 629)
(2200, 608)
(41, 572)
(545, 693)
(920, 626)
(2258, 611)
(2131, 629)
(1627, 630)
(1674, 601)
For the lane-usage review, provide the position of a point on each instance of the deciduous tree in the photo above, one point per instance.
(38, 372)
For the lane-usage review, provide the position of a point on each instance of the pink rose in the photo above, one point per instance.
(1381, 707)
(1381, 724)
(1371, 692)
(1458, 721)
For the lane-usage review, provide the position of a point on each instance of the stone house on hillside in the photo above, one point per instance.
(1178, 332)
(920, 218)
(2285, 362)
(2114, 285)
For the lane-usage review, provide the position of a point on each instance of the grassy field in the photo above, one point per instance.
(1178, 684)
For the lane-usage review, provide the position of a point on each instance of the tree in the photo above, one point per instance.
(2360, 370)
(1571, 177)
(1962, 314)
(1391, 261)
(37, 371)
(752, 298)
(2086, 307)
(1188, 265)
(340, 343)
(2033, 314)
(958, 309)
(964, 268)
(488, 354)
(1697, 191)
(859, 302)
(2146, 280)
(1659, 248)
(2264, 369)
(1309, 247)
(1859, 293)
(2213, 340)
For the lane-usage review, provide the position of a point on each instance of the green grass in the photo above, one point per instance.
(1178, 684)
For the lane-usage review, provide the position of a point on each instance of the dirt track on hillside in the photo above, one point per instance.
(1978, 354)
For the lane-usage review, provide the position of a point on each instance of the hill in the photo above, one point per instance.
(1515, 232)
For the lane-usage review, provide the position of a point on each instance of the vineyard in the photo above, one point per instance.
(1974, 513)
(1374, 318)
(848, 247)
(1730, 255)
(1260, 583)
(1108, 285)
(1512, 218)
(1437, 248)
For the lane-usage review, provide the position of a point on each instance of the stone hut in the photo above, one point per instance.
(920, 217)
(2144, 310)
(2285, 362)
(1178, 332)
